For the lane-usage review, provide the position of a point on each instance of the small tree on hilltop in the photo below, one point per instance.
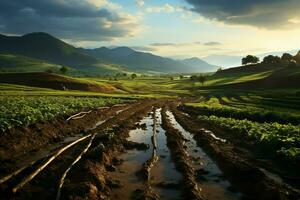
(287, 57)
(133, 76)
(271, 59)
(250, 60)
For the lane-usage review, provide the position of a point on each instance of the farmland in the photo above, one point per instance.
(128, 129)
(23, 110)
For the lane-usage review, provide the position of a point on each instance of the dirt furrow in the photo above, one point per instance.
(251, 180)
(46, 179)
(175, 142)
(90, 178)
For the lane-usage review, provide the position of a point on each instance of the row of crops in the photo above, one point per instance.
(284, 139)
(26, 110)
(250, 113)
(275, 130)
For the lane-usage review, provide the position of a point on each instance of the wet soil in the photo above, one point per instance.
(145, 150)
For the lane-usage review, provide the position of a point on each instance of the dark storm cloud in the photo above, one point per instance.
(70, 19)
(269, 14)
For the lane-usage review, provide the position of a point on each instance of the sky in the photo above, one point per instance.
(172, 28)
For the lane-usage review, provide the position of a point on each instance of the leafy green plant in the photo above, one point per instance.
(273, 135)
(26, 110)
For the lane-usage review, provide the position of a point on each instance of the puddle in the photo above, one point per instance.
(212, 181)
(163, 170)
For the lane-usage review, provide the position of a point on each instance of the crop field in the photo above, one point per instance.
(152, 137)
(271, 122)
(25, 110)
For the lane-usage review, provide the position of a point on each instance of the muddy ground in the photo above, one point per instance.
(145, 150)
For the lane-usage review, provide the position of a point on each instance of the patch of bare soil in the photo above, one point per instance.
(242, 170)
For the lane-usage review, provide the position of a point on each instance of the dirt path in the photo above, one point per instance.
(145, 150)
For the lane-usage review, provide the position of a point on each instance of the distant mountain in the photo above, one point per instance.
(100, 61)
(45, 47)
(199, 64)
(147, 62)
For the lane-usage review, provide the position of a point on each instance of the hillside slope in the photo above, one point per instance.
(259, 76)
(16, 63)
(53, 81)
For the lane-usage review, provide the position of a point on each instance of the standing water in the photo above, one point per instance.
(163, 170)
(212, 181)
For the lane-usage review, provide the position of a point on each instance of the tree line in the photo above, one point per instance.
(286, 59)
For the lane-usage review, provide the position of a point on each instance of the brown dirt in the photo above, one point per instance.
(21, 143)
(52, 81)
(238, 167)
(175, 142)
(262, 154)
(89, 177)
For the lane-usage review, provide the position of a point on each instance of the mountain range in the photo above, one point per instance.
(99, 61)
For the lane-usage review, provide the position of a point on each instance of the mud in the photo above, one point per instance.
(141, 151)
(237, 166)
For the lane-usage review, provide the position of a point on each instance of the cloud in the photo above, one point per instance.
(212, 43)
(163, 44)
(143, 48)
(267, 14)
(166, 8)
(139, 3)
(87, 20)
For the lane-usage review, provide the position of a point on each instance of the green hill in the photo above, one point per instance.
(16, 63)
(260, 76)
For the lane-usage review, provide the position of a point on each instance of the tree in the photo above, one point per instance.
(270, 59)
(250, 60)
(133, 76)
(287, 57)
(63, 69)
(181, 77)
(219, 69)
(202, 79)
